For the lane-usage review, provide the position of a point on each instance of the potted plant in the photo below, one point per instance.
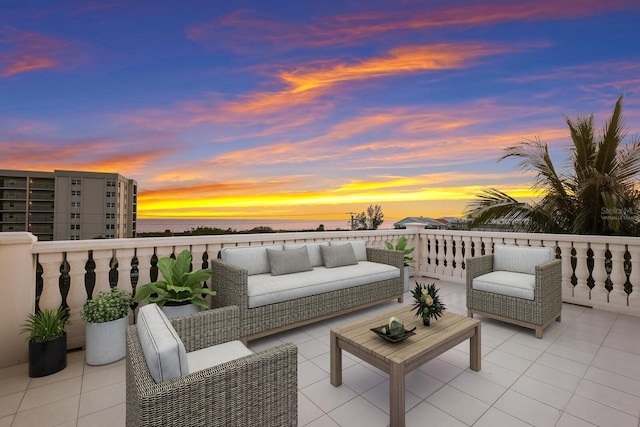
(408, 260)
(47, 336)
(426, 302)
(180, 287)
(107, 317)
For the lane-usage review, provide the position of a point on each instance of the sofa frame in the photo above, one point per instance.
(230, 284)
(535, 314)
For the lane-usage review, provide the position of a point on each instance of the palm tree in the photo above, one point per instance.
(598, 196)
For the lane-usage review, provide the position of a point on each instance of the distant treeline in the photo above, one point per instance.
(204, 231)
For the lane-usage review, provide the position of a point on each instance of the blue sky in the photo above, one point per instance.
(283, 109)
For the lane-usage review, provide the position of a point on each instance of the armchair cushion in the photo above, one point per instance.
(163, 350)
(509, 283)
(520, 259)
(216, 355)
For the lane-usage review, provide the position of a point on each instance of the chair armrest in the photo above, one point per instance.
(549, 281)
(230, 283)
(208, 327)
(477, 267)
(386, 256)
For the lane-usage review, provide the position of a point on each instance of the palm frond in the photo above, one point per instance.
(613, 134)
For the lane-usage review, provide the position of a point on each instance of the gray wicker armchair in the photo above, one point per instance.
(538, 313)
(256, 390)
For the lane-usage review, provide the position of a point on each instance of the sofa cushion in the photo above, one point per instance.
(264, 289)
(315, 256)
(338, 256)
(252, 258)
(162, 347)
(291, 261)
(521, 259)
(359, 247)
(519, 285)
(216, 355)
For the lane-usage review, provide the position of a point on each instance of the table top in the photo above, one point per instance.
(444, 333)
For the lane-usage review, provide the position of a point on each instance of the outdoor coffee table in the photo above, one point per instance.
(399, 358)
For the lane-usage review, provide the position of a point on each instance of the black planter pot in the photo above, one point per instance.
(49, 357)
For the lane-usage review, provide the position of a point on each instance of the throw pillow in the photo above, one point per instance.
(338, 256)
(285, 262)
(359, 247)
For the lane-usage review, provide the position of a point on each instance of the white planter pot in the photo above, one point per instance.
(180, 310)
(406, 278)
(105, 342)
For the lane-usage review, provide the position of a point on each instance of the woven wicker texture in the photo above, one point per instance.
(230, 283)
(257, 390)
(544, 308)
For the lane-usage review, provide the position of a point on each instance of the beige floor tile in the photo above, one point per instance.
(110, 417)
(73, 370)
(102, 398)
(103, 377)
(51, 414)
(6, 421)
(49, 393)
(12, 371)
(17, 383)
(10, 403)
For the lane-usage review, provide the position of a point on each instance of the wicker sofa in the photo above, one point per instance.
(258, 389)
(516, 284)
(292, 304)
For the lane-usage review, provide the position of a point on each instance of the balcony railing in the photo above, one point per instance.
(598, 271)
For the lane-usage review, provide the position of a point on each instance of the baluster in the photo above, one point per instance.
(476, 242)
(634, 277)
(64, 283)
(448, 256)
(617, 296)
(567, 270)
(599, 293)
(39, 282)
(457, 257)
(581, 290)
(205, 265)
(153, 271)
(113, 271)
(90, 275)
(433, 254)
(466, 252)
(134, 275)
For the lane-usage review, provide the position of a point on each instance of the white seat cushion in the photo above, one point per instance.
(216, 355)
(521, 259)
(266, 289)
(162, 347)
(519, 285)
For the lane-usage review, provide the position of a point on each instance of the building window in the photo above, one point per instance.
(75, 204)
(111, 216)
(75, 192)
(111, 183)
(111, 204)
(75, 226)
(75, 215)
(76, 181)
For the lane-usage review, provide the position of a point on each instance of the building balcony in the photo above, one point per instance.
(583, 372)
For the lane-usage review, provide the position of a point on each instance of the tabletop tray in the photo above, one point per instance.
(407, 334)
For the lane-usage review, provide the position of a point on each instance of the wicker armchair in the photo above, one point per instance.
(256, 390)
(536, 314)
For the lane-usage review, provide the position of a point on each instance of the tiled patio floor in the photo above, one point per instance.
(586, 371)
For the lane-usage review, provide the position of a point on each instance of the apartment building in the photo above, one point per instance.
(68, 205)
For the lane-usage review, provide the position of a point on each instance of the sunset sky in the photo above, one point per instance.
(308, 109)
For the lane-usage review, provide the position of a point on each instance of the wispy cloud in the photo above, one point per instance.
(26, 51)
(349, 29)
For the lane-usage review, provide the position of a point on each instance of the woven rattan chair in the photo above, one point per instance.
(256, 390)
(536, 314)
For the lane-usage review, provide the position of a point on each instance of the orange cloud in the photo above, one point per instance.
(29, 51)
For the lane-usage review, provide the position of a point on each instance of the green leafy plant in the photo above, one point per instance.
(402, 246)
(180, 286)
(46, 325)
(427, 302)
(107, 306)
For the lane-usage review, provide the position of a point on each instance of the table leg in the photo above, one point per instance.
(396, 394)
(475, 351)
(335, 360)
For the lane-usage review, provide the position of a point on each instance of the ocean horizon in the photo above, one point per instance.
(147, 225)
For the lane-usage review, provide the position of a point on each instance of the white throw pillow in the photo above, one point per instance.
(162, 347)
(252, 258)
